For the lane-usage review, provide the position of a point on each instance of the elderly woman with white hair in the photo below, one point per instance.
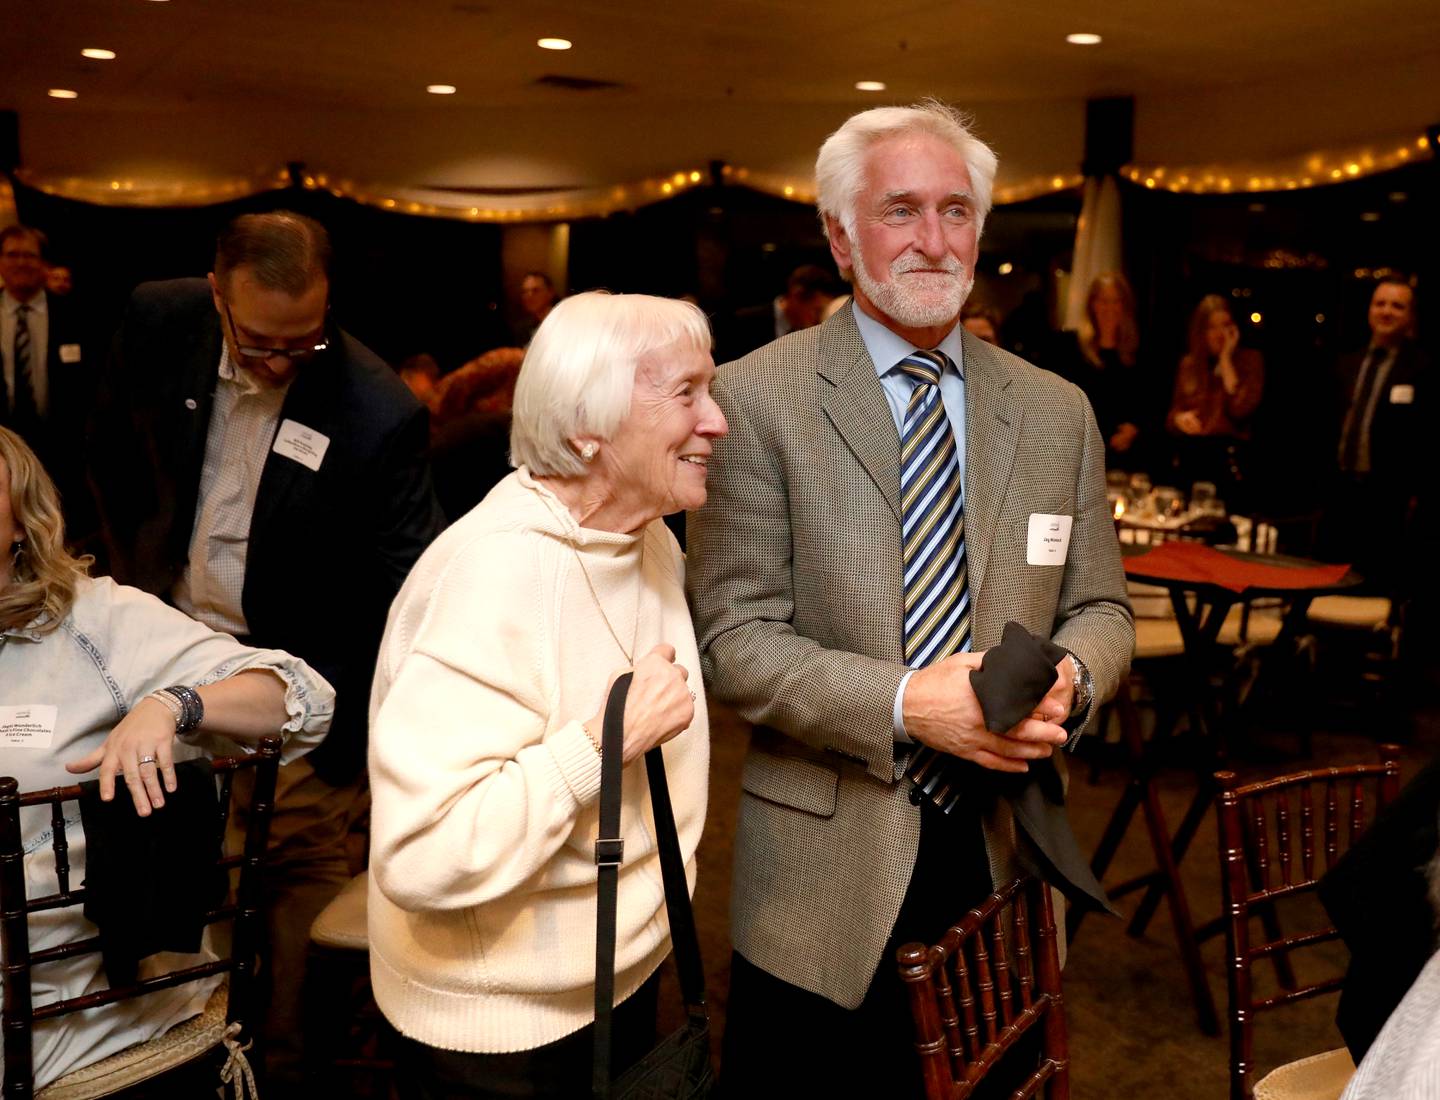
(488, 706)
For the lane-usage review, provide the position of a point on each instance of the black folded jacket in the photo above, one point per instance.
(149, 881)
(1012, 679)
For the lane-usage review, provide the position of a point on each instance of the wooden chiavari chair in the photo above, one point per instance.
(1309, 818)
(992, 978)
(223, 1026)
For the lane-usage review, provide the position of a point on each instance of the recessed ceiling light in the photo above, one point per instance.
(869, 85)
(97, 54)
(440, 89)
(554, 43)
(63, 93)
(1083, 38)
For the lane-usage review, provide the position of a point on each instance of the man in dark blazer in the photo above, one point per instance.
(808, 291)
(1382, 456)
(50, 367)
(263, 470)
(801, 574)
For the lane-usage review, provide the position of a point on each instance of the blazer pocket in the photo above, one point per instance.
(791, 781)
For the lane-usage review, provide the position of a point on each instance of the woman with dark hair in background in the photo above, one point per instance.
(1217, 390)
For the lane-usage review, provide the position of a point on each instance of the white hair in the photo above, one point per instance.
(579, 371)
(840, 167)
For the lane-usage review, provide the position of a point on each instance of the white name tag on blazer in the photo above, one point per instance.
(27, 727)
(1402, 394)
(305, 445)
(69, 353)
(1049, 539)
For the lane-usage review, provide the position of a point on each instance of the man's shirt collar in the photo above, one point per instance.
(887, 348)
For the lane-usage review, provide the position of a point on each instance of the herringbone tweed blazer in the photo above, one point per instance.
(795, 580)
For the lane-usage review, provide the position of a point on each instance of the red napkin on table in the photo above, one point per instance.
(1194, 561)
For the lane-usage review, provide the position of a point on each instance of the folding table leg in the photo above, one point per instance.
(1141, 792)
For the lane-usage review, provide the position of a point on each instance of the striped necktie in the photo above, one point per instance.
(937, 597)
(24, 417)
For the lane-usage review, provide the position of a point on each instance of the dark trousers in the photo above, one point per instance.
(784, 1041)
(556, 1071)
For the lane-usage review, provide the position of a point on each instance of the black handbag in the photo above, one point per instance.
(679, 1067)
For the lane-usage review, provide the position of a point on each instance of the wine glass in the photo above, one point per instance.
(1203, 499)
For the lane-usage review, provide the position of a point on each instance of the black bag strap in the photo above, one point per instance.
(609, 852)
(683, 938)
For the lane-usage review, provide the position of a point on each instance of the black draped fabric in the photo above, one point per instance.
(149, 881)
(1378, 898)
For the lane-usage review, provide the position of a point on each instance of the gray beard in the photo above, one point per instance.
(907, 305)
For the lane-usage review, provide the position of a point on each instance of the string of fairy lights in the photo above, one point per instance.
(1288, 174)
(1281, 174)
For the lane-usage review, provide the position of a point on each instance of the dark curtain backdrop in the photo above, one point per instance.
(402, 284)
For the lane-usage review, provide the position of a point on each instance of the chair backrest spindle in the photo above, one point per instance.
(1247, 889)
(1004, 955)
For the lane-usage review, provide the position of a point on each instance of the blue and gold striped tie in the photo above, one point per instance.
(937, 597)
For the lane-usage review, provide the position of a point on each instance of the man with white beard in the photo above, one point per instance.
(891, 493)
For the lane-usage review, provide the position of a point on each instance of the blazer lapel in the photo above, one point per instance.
(992, 431)
(857, 405)
(187, 427)
(305, 403)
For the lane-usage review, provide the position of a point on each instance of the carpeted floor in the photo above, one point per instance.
(1131, 1023)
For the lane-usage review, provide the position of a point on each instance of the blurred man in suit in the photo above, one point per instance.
(537, 299)
(1382, 451)
(267, 473)
(808, 290)
(49, 374)
(892, 491)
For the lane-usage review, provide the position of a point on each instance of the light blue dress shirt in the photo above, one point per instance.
(887, 350)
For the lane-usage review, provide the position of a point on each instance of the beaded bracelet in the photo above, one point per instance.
(170, 703)
(184, 704)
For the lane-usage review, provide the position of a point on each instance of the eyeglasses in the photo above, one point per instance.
(295, 355)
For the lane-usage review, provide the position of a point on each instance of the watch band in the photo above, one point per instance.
(1083, 685)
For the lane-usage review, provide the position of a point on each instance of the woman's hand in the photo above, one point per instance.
(1124, 436)
(660, 704)
(139, 747)
(1232, 340)
(1188, 421)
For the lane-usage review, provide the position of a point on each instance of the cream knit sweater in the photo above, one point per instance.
(486, 786)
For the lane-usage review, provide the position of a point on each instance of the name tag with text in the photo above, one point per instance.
(69, 353)
(1402, 394)
(305, 445)
(1048, 540)
(27, 727)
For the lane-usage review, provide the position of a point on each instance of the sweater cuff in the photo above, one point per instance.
(577, 761)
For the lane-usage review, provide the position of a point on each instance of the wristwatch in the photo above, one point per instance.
(1084, 687)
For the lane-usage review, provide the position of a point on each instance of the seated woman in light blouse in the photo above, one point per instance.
(89, 659)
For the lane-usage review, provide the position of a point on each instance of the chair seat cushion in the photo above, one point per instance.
(342, 923)
(1263, 627)
(1319, 1077)
(182, 1043)
(1359, 611)
(1157, 638)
